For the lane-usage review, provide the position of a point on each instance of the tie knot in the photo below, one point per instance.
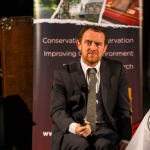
(92, 70)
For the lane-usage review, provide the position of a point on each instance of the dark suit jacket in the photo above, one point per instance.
(69, 98)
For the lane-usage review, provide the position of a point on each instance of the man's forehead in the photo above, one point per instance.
(93, 34)
(99, 39)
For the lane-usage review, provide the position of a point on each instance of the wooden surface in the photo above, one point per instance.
(17, 58)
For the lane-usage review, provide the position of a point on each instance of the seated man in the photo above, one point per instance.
(73, 129)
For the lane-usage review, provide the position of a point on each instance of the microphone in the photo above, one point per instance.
(80, 119)
(90, 139)
(84, 88)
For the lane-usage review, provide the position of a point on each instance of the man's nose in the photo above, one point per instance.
(93, 45)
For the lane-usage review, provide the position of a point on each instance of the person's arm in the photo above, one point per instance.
(122, 145)
(72, 127)
(58, 106)
(123, 108)
(80, 130)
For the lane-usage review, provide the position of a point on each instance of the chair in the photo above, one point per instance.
(130, 98)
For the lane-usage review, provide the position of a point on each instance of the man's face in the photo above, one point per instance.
(92, 47)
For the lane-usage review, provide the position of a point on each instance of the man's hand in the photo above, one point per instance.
(122, 146)
(83, 131)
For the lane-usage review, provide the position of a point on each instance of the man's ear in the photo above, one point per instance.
(105, 48)
(78, 44)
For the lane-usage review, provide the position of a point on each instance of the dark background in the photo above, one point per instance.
(146, 55)
(16, 123)
(9, 8)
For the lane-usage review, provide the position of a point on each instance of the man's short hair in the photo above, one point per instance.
(94, 28)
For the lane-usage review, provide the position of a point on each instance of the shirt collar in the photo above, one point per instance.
(85, 66)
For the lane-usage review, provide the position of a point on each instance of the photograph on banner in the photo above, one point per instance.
(115, 12)
(81, 10)
(123, 12)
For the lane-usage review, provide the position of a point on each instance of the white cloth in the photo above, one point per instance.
(141, 138)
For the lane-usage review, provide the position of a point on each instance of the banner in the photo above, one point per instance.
(56, 26)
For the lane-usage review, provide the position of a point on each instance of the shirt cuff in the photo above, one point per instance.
(72, 127)
(124, 141)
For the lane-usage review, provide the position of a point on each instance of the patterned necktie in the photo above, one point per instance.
(91, 105)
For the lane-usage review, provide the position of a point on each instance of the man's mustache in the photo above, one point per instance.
(92, 52)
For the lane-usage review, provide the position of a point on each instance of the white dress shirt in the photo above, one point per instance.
(85, 67)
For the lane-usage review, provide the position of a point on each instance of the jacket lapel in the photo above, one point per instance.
(103, 81)
(104, 73)
(78, 78)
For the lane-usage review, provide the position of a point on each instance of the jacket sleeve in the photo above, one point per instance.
(58, 103)
(123, 107)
